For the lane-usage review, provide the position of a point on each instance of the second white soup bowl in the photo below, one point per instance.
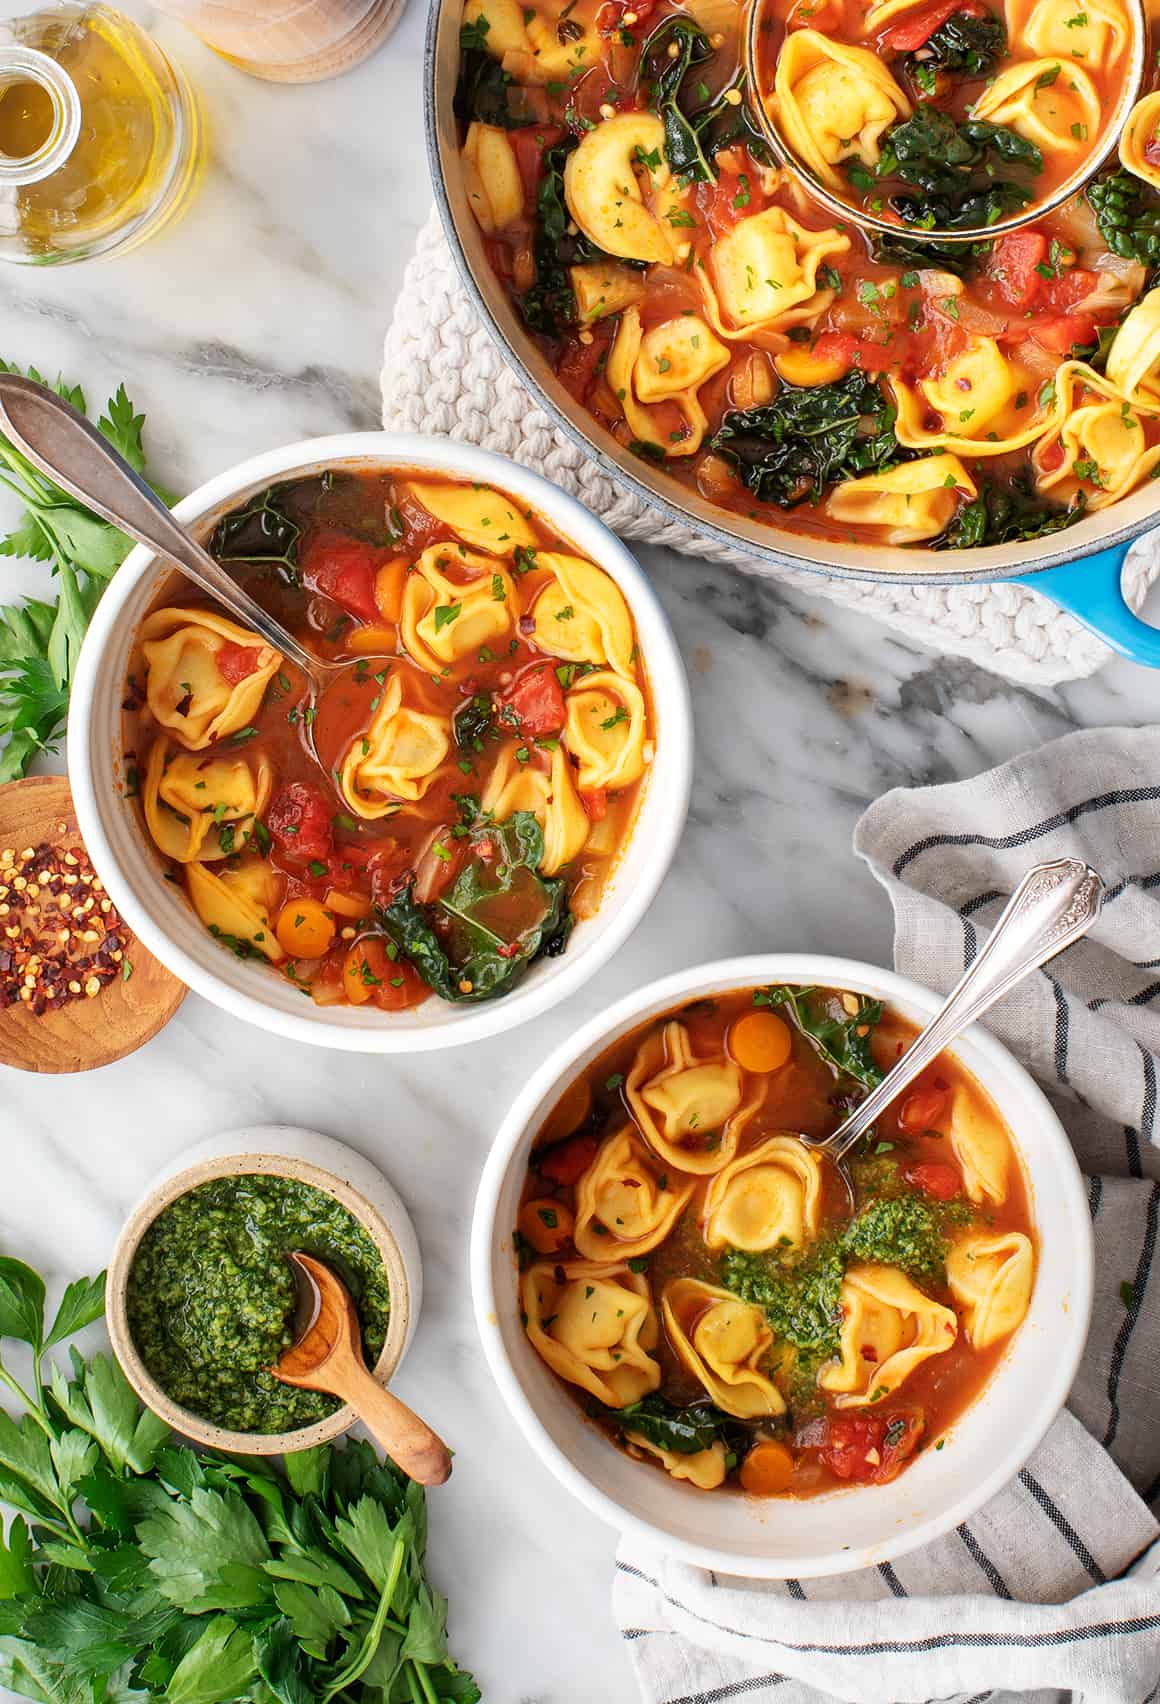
(841, 1530)
(158, 912)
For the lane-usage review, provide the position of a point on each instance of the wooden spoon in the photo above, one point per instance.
(328, 1357)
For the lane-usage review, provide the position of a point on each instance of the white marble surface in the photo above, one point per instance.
(256, 321)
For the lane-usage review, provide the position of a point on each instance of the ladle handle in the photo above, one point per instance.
(397, 1429)
(1053, 906)
(70, 451)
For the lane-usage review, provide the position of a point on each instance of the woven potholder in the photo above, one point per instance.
(442, 373)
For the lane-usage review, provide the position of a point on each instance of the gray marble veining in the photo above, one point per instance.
(259, 320)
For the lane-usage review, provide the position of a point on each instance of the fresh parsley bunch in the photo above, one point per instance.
(40, 642)
(135, 1568)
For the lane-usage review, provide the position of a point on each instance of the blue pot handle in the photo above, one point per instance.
(1090, 590)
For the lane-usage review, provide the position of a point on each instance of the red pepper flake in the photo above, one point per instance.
(61, 938)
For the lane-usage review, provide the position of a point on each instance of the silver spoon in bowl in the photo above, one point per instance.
(71, 452)
(1054, 905)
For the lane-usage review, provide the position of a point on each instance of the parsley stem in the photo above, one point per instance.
(34, 1408)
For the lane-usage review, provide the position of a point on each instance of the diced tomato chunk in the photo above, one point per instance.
(388, 867)
(922, 1109)
(1063, 333)
(912, 32)
(298, 819)
(581, 363)
(343, 569)
(595, 802)
(566, 1162)
(536, 699)
(1012, 267)
(941, 1182)
(236, 662)
(870, 1448)
(528, 145)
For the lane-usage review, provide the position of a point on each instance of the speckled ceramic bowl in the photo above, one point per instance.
(278, 1150)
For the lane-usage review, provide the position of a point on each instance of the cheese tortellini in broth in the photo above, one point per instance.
(581, 614)
(990, 1276)
(889, 1327)
(625, 1203)
(185, 652)
(398, 757)
(454, 602)
(771, 1197)
(202, 808)
(595, 1326)
(690, 1110)
(832, 102)
(520, 784)
(725, 1343)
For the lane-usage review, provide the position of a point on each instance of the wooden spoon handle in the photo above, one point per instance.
(407, 1439)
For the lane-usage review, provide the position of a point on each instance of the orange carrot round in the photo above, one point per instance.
(767, 1469)
(304, 930)
(760, 1041)
(547, 1225)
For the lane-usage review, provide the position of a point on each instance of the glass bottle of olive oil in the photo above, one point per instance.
(99, 135)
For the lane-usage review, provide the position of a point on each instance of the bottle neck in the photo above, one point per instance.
(28, 65)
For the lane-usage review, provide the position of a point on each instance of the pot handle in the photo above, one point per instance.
(1091, 590)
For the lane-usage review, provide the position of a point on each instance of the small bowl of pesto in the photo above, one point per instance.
(201, 1295)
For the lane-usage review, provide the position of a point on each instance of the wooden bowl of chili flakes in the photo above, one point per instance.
(66, 957)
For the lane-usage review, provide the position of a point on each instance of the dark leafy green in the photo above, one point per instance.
(260, 532)
(485, 92)
(134, 1568)
(1004, 514)
(549, 306)
(696, 123)
(842, 1038)
(473, 721)
(790, 449)
(963, 46)
(684, 1431)
(919, 252)
(462, 944)
(1128, 214)
(955, 165)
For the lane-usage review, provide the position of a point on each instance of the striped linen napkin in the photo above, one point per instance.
(1052, 1591)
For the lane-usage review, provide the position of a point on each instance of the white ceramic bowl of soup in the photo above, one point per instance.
(858, 1526)
(159, 913)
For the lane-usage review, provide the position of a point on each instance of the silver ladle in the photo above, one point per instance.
(1054, 905)
(71, 452)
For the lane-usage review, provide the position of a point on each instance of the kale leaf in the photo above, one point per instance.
(964, 46)
(462, 944)
(483, 90)
(954, 164)
(550, 305)
(684, 1431)
(473, 721)
(259, 532)
(842, 1038)
(790, 449)
(696, 123)
(1004, 514)
(1128, 215)
(919, 252)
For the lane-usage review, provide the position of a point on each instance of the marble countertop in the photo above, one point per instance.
(259, 320)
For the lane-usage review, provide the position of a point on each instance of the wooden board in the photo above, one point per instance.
(83, 1033)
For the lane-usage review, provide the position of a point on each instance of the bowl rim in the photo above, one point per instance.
(667, 806)
(248, 1162)
(1043, 1405)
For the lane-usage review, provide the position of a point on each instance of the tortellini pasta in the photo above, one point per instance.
(769, 1198)
(454, 601)
(549, 794)
(667, 364)
(187, 692)
(990, 1276)
(706, 1469)
(500, 22)
(725, 1343)
(1095, 33)
(491, 177)
(1052, 103)
(625, 1203)
(984, 403)
(398, 757)
(763, 274)
(595, 1326)
(234, 904)
(691, 1111)
(906, 504)
(888, 1329)
(1140, 140)
(202, 808)
(1098, 445)
(484, 518)
(581, 615)
(605, 730)
(1133, 363)
(980, 1147)
(602, 187)
(832, 102)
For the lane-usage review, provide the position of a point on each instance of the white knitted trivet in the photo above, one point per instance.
(443, 374)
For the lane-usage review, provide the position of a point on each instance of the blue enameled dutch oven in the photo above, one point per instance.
(1078, 568)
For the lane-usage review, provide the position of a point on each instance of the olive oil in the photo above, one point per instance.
(99, 135)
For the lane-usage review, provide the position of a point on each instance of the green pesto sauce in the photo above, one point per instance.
(212, 1298)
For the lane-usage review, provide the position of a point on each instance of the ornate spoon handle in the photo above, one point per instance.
(1053, 906)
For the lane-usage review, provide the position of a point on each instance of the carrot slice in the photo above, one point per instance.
(304, 930)
(767, 1469)
(547, 1225)
(347, 904)
(760, 1041)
